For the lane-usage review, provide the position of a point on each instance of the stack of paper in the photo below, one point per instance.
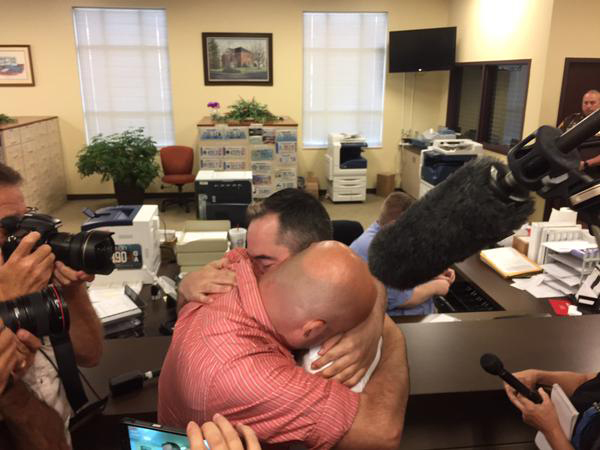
(508, 262)
(112, 304)
(202, 241)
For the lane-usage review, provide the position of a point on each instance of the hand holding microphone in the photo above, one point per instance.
(492, 365)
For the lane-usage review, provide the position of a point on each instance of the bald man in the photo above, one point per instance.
(590, 102)
(233, 356)
(590, 157)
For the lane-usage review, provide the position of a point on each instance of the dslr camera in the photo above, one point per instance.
(45, 313)
(90, 251)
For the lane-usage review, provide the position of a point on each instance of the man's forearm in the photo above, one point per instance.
(380, 418)
(420, 294)
(389, 384)
(568, 381)
(557, 439)
(31, 423)
(86, 330)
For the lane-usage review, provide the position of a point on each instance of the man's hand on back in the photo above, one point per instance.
(351, 352)
(198, 286)
(26, 272)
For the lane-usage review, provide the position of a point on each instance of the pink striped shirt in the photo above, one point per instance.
(225, 358)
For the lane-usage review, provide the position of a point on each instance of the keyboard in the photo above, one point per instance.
(465, 297)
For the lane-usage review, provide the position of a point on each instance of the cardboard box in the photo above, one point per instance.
(311, 185)
(386, 184)
(521, 244)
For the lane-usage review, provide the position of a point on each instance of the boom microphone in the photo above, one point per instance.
(492, 365)
(459, 217)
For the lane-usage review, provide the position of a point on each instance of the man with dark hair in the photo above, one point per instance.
(280, 226)
(41, 395)
(302, 218)
(411, 302)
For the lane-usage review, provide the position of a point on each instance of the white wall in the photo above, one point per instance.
(47, 26)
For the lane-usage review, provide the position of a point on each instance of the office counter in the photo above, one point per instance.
(515, 301)
(453, 402)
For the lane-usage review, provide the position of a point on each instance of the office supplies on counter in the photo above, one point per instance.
(588, 295)
(346, 169)
(508, 262)
(201, 242)
(115, 309)
(562, 226)
(237, 237)
(136, 231)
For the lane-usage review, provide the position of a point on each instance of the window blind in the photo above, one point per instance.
(470, 101)
(124, 71)
(344, 75)
(506, 124)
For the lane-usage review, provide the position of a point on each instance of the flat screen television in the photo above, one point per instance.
(420, 50)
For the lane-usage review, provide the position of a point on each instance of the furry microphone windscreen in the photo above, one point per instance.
(459, 217)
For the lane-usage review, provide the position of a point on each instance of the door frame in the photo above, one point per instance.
(563, 89)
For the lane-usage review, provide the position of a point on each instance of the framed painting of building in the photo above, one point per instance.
(238, 58)
(15, 66)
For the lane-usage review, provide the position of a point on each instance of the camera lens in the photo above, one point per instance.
(41, 313)
(90, 251)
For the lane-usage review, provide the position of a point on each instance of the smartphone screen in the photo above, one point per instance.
(139, 435)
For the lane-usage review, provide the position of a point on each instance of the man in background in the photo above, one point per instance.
(590, 102)
(280, 226)
(36, 411)
(416, 301)
(590, 154)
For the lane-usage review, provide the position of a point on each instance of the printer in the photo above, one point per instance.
(442, 158)
(224, 195)
(346, 168)
(136, 231)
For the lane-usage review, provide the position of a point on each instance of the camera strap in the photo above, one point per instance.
(67, 370)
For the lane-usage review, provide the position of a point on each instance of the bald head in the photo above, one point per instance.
(318, 293)
(590, 102)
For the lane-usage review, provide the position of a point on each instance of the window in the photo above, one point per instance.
(344, 75)
(124, 71)
(486, 102)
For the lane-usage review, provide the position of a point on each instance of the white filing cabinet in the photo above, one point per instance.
(32, 146)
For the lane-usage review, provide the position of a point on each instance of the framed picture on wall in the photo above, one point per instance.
(238, 58)
(15, 66)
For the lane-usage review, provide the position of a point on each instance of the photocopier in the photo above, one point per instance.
(346, 168)
(224, 195)
(442, 158)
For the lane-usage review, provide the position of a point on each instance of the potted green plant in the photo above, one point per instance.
(128, 158)
(249, 111)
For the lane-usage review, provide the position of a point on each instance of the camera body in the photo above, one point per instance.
(18, 228)
(90, 251)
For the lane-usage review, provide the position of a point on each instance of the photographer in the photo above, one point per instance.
(41, 398)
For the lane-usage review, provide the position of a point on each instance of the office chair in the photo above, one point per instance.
(346, 231)
(178, 165)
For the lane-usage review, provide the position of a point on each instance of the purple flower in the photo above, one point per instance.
(213, 105)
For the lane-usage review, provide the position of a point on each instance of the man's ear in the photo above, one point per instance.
(313, 330)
